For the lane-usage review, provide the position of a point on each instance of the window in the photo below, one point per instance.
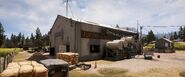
(67, 48)
(94, 48)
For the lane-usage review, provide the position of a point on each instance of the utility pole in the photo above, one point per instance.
(141, 27)
(66, 8)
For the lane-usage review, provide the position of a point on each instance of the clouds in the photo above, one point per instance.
(26, 15)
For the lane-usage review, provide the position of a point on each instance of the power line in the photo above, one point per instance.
(71, 11)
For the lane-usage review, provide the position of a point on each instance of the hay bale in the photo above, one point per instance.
(34, 63)
(26, 71)
(10, 73)
(13, 65)
(25, 63)
(40, 71)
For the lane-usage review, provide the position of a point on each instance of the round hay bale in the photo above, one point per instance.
(10, 73)
(34, 63)
(13, 65)
(26, 71)
(25, 63)
(40, 71)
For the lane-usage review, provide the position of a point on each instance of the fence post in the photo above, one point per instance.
(1, 64)
(5, 62)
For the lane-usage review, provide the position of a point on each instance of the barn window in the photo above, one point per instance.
(67, 48)
(94, 48)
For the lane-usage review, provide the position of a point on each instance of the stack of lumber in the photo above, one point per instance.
(71, 58)
(25, 69)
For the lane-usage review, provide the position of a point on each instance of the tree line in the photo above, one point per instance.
(173, 36)
(20, 40)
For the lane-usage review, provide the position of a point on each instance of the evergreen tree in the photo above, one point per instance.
(38, 34)
(28, 42)
(2, 36)
(150, 36)
(45, 40)
(38, 38)
(175, 36)
(117, 26)
(171, 37)
(14, 40)
(181, 33)
(8, 43)
(22, 41)
(32, 38)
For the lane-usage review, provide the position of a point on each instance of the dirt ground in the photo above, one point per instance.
(169, 64)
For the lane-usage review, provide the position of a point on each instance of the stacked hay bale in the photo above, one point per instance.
(11, 71)
(39, 70)
(25, 69)
(71, 58)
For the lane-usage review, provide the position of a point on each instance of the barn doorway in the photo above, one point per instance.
(67, 48)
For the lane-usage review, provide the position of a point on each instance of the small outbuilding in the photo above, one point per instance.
(164, 45)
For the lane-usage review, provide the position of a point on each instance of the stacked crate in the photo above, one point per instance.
(71, 58)
(25, 69)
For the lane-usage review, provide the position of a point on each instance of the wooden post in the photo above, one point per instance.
(1, 64)
(5, 62)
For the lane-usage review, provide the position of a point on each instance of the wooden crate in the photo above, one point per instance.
(71, 58)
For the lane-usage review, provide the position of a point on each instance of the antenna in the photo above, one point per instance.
(137, 26)
(67, 8)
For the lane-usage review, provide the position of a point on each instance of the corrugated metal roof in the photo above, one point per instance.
(167, 40)
(102, 25)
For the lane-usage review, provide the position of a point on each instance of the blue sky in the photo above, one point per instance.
(26, 15)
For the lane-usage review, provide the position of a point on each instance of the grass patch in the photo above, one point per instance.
(112, 71)
(179, 45)
(75, 73)
(150, 46)
(102, 72)
(5, 51)
(156, 72)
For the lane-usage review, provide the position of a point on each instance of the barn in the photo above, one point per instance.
(164, 45)
(83, 37)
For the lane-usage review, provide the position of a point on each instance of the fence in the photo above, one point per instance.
(5, 60)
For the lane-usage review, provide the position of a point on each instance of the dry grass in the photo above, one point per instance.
(22, 56)
(100, 62)
(102, 72)
(75, 73)
(157, 72)
(118, 72)
(182, 73)
(112, 71)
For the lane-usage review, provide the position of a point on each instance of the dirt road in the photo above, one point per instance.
(168, 65)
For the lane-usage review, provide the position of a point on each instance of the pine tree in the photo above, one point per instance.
(22, 40)
(117, 26)
(175, 36)
(45, 40)
(150, 36)
(181, 33)
(2, 36)
(32, 38)
(38, 38)
(14, 40)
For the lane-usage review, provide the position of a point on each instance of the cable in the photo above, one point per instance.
(71, 11)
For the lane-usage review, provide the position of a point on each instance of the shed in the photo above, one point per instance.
(164, 45)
